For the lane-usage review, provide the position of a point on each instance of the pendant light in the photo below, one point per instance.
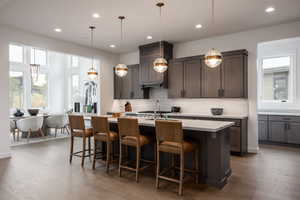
(213, 58)
(121, 70)
(34, 69)
(92, 72)
(160, 64)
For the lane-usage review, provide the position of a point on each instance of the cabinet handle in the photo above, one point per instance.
(286, 118)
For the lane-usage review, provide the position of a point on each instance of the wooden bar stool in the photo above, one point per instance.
(78, 129)
(102, 133)
(129, 135)
(169, 137)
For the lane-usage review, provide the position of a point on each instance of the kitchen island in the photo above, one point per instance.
(213, 138)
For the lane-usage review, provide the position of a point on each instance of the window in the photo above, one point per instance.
(75, 61)
(15, 53)
(38, 56)
(277, 79)
(39, 91)
(16, 89)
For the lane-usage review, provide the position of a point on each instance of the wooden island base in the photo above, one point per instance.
(214, 156)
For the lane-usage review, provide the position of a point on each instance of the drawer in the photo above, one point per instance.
(263, 117)
(284, 118)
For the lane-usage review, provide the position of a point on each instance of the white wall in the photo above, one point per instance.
(242, 40)
(9, 34)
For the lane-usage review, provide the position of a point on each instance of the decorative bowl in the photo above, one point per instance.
(33, 112)
(216, 111)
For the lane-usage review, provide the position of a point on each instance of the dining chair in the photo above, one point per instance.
(14, 130)
(30, 125)
(79, 130)
(57, 122)
(169, 138)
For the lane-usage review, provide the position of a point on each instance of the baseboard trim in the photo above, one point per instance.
(5, 155)
(253, 150)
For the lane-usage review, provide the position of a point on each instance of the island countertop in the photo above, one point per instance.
(194, 125)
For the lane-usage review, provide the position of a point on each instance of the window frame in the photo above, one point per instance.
(292, 86)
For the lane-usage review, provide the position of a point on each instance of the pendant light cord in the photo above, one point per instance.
(160, 5)
(213, 11)
(92, 43)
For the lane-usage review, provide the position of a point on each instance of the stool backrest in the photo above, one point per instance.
(100, 124)
(128, 126)
(76, 122)
(167, 130)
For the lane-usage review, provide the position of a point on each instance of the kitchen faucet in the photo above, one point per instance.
(157, 108)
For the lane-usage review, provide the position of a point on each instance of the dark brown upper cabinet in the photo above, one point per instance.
(148, 54)
(190, 77)
(229, 80)
(184, 78)
(128, 87)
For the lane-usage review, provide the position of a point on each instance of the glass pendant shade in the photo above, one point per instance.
(160, 65)
(121, 70)
(213, 58)
(92, 73)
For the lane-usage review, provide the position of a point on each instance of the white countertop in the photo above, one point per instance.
(279, 113)
(195, 125)
(232, 116)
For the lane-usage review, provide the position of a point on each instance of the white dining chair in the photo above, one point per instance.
(13, 129)
(57, 122)
(31, 124)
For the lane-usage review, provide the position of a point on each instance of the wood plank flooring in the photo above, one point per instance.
(41, 172)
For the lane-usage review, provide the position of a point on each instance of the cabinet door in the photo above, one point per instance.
(233, 76)
(175, 79)
(262, 130)
(144, 70)
(136, 90)
(126, 85)
(211, 81)
(293, 133)
(277, 131)
(117, 87)
(192, 79)
(235, 139)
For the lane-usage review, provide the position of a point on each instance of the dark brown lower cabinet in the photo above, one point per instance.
(238, 132)
(279, 129)
(128, 87)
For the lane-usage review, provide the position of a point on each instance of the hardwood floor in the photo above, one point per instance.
(41, 172)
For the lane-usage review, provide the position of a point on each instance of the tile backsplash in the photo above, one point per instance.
(203, 105)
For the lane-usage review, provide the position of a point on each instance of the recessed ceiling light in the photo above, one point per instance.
(112, 46)
(198, 26)
(58, 30)
(149, 37)
(96, 15)
(270, 9)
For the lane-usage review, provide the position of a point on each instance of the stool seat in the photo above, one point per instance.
(174, 147)
(133, 140)
(113, 136)
(80, 133)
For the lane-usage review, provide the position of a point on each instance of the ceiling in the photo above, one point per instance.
(142, 19)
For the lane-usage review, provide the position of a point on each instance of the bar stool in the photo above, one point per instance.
(78, 129)
(129, 135)
(169, 137)
(102, 133)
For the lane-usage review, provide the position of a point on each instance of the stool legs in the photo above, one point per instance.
(108, 148)
(138, 160)
(83, 151)
(181, 172)
(157, 167)
(94, 157)
(120, 158)
(71, 149)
